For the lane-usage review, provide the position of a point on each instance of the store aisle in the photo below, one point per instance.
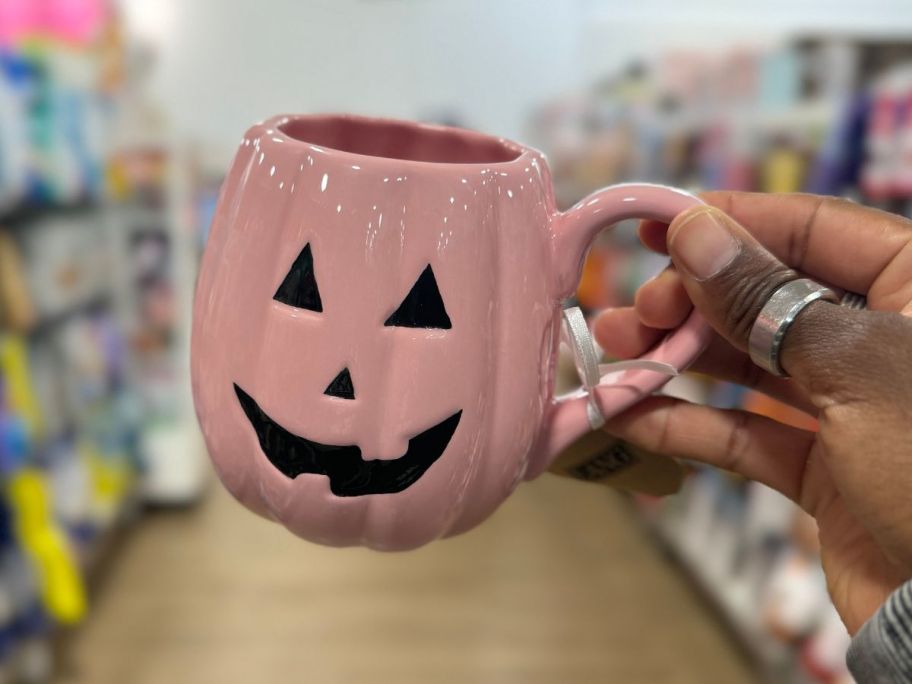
(559, 586)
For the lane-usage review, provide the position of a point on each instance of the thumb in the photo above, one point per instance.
(730, 276)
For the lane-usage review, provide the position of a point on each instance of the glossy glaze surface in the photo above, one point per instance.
(502, 258)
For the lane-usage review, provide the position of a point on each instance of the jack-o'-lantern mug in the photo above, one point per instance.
(377, 321)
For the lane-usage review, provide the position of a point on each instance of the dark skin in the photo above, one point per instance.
(852, 370)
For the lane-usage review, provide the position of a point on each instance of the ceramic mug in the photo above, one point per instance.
(377, 321)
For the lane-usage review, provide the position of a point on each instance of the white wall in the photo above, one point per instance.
(226, 63)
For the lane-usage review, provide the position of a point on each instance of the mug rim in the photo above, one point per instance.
(275, 128)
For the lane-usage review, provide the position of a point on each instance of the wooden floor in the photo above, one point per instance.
(558, 587)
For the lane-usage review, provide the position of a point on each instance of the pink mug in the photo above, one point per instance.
(377, 321)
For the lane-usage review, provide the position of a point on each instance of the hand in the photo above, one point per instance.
(852, 370)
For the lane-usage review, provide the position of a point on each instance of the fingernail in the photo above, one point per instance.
(702, 244)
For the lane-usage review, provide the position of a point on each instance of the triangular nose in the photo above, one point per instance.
(341, 386)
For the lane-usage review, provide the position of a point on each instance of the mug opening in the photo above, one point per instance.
(391, 139)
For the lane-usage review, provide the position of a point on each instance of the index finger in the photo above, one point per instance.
(843, 243)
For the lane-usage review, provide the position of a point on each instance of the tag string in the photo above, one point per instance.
(575, 334)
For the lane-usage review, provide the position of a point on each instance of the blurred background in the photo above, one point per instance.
(121, 561)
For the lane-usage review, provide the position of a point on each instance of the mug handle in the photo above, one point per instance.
(572, 234)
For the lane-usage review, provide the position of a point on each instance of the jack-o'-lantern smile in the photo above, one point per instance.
(349, 474)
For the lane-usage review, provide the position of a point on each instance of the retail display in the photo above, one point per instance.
(825, 116)
(66, 465)
(74, 425)
(314, 209)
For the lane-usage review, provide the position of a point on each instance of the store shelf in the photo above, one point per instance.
(86, 175)
(21, 215)
(95, 560)
(775, 663)
(93, 304)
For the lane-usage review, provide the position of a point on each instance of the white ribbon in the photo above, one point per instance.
(575, 333)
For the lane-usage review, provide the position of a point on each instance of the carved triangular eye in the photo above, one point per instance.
(423, 306)
(299, 289)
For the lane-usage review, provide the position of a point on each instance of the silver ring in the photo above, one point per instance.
(777, 315)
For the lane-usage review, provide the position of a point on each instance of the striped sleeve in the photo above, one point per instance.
(881, 651)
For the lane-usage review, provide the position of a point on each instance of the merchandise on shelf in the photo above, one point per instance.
(69, 421)
(67, 459)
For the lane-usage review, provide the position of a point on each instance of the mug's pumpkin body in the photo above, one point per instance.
(372, 230)
(376, 325)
